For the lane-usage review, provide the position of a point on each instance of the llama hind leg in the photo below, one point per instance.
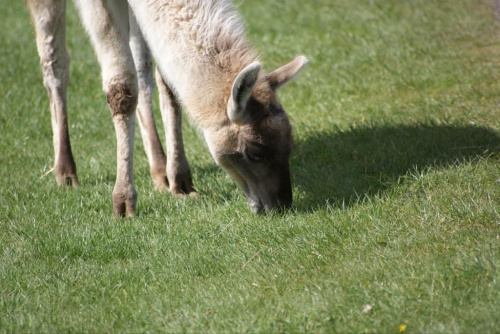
(108, 26)
(144, 67)
(178, 170)
(49, 18)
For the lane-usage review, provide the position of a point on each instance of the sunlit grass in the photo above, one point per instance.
(395, 170)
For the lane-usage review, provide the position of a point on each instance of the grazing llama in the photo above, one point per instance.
(203, 62)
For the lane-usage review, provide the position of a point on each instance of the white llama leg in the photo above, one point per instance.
(151, 141)
(107, 23)
(178, 170)
(49, 18)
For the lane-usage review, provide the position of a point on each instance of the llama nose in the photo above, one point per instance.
(285, 197)
(280, 207)
(282, 202)
(285, 203)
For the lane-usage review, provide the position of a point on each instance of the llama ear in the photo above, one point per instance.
(282, 75)
(241, 91)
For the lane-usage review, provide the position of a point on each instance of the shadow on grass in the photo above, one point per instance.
(342, 166)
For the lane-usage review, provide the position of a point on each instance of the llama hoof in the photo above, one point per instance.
(66, 176)
(182, 185)
(159, 177)
(184, 191)
(160, 183)
(70, 181)
(124, 203)
(183, 194)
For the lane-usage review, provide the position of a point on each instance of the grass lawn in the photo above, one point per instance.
(396, 179)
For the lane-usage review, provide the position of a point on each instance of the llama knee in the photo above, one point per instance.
(121, 94)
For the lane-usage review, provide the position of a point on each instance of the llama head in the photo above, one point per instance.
(255, 142)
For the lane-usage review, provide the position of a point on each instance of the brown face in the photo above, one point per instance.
(256, 155)
(254, 143)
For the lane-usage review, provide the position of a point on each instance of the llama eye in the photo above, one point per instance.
(254, 157)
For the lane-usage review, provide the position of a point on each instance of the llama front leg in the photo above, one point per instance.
(144, 67)
(49, 18)
(124, 193)
(107, 23)
(178, 170)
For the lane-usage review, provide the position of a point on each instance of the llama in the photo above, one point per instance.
(204, 63)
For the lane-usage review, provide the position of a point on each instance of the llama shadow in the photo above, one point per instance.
(343, 166)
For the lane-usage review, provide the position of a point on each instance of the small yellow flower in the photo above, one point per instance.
(402, 328)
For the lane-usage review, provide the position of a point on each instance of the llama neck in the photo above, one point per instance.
(200, 47)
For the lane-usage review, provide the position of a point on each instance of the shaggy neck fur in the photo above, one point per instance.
(200, 47)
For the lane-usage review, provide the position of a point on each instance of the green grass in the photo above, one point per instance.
(396, 173)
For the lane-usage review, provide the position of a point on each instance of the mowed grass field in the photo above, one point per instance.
(396, 179)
